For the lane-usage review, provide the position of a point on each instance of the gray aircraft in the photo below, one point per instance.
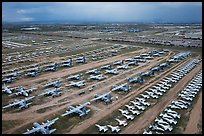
(33, 72)
(67, 63)
(113, 71)
(21, 104)
(120, 62)
(44, 128)
(123, 87)
(81, 110)
(77, 77)
(77, 84)
(22, 91)
(93, 71)
(104, 97)
(6, 89)
(56, 83)
(106, 67)
(97, 77)
(81, 59)
(51, 67)
(53, 92)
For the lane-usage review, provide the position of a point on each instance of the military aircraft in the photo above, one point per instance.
(139, 79)
(97, 77)
(81, 110)
(56, 83)
(23, 91)
(123, 87)
(6, 89)
(123, 67)
(77, 84)
(147, 132)
(114, 128)
(19, 103)
(128, 117)
(53, 92)
(77, 76)
(67, 63)
(113, 71)
(130, 107)
(106, 67)
(104, 97)
(8, 80)
(44, 128)
(81, 59)
(133, 63)
(33, 72)
(123, 111)
(120, 62)
(102, 128)
(93, 71)
(145, 96)
(135, 112)
(51, 67)
(122, 122)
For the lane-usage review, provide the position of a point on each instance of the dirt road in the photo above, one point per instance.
(153, 112)
(112, 107)
(195, 116)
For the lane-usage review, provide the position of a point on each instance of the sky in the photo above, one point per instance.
(173, 12)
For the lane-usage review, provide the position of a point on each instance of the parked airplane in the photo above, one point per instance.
(93, 71)
(81, 59)
(113, 71)
(81, 110)
(123, 67)
(145, 96)
(123, 87)
(140, 107)
(97, 77)
(133, 63)
(147, 132)
(102, 128)
(170, 120)
(56, 83)
(122, 122)
(106, 67)
(77, 84)
(128, 117)
(134, 112)
(8, 80)
(120, 62)
(123, 111)
(6, 89)
(130, 107)
(23, 91)
(156, 127)
(19, 103)
(165, 127)
(114, 128)
(139, 79)
(44, 128)
(53, 92)
(51, 67)
(104, 97)
(77, 77)
(67, 63)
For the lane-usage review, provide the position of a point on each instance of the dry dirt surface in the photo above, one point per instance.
(63, 72)
(195, 116)
(112, 107)
(153, 112)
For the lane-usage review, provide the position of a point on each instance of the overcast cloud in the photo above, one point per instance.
(184, 12)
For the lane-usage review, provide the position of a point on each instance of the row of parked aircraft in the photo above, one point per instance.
(169, 117)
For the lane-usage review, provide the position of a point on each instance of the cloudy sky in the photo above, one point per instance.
(178, 12)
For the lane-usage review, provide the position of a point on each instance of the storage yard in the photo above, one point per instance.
(126, 79)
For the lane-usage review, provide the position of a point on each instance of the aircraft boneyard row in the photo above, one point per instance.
(170, 116)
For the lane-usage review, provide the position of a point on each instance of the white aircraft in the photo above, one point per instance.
(174, 115)
(128, 117)
(77, 77)
(55, 83)
(135, 112)
(44, 128)
(166, 127)
(123, 111)
(140, 107)
(106, 67)
(145, 103)
(120, 62)
(23, 91)
(147, 132)
(81, 59)
(104, 97)
(6, 89)
(123, 67)
(77, 84)
(170, 120)
(93, 71)
(102, 128)
(149, 93)
(136, 103)
(81, 110)
(113, 71)
(140, 99)
(156, 127)
(145, 96)
(130, 107)
(53, 92)
(174, 106)
(114, 128)
(122, 122)
(164, 115)
(97, 77)
(19, 103)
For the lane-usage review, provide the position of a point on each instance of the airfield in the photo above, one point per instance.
(155, 67)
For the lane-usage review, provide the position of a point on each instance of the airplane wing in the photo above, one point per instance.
(68, 112)
(101, 96)
(10, 105)
(37, 129)
(49, 123)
